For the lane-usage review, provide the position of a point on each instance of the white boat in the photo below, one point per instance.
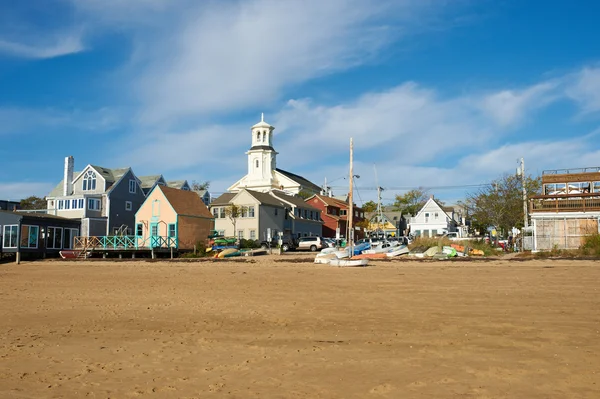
(380, 248)
(401, 250)
(325, 258)
(349, 262)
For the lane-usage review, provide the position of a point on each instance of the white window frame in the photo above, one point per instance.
(240, 234)
(37, 228)
(72, 234)
(9, 236)
(251, 211)
(94, 204)
(67, 205)
(132, 186)
(128, 205)
(89, 181)
(61, 204)
(253, 234)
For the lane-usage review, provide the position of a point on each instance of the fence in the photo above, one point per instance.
(563, 233)
(125, 242)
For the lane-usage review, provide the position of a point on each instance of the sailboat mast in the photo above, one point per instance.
(350, 199)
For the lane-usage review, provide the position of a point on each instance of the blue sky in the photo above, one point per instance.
(434, 93)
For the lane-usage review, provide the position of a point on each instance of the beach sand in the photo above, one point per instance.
(276, 327)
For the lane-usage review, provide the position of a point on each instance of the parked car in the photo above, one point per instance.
(330, 242)
(311, 243)
(288, 243)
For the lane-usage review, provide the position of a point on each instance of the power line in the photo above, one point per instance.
(421, 187)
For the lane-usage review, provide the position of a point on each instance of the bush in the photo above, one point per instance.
(249, 244)
(444, 241)
(591, 245)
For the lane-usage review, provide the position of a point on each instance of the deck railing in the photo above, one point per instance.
(565, 203)
(124, 242)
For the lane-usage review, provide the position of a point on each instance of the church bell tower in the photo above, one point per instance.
(262, 157)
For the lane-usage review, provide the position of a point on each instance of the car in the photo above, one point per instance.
(287, 243)
(330, 242)
(313, 243)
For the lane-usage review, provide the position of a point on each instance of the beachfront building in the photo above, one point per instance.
(568, 210)
(389, 224)
(36, 234)
(434, 219)
(276, 210)
(263, 174)
(173, 217)
(334, 213)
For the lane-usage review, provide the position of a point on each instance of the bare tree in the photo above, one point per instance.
(197, 186)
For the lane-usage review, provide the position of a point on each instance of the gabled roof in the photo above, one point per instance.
(264, 198)
(300, 180)
(58, 190)
(185, 202)
(295, 200)
(223, 199)
(110, 175)
(329, 201)
(149, 181)
(177, 183)
(437, 203)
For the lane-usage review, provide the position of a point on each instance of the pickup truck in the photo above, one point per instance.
(288, 243)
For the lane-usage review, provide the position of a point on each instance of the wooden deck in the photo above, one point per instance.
(565, 203)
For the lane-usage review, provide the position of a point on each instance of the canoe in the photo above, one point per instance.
(325, 258)
(401, 250)
(227, 252)
(349, 262)
(432, 251)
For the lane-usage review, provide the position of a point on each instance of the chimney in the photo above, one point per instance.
(68, 176)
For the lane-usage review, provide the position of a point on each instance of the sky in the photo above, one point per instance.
(445, 95)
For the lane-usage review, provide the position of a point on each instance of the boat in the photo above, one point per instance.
(380, 255)
(397, 251)
(325, 258)
(229, 252)
(69, 254)
(380, 248)
(432, 251)
(349, 262)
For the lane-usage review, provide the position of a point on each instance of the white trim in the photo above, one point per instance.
(29, 235)
(130, 206)
(54, 241)
(135, 184)
(4, 235)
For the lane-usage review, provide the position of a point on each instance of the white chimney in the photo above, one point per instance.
(68, 176)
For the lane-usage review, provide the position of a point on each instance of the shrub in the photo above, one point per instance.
(591, 245)
(249, 244)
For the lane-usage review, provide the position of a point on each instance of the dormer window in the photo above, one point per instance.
(89, 181)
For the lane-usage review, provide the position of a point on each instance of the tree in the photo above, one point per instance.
(305, 194)
(369, 206)
(33, 202)
(500, 204)
(233, 212)
(412, 201)
(196, 186)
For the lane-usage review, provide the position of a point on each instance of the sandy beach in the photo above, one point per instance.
(277, 327)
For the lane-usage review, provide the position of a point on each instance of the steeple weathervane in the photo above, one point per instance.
(262, 116)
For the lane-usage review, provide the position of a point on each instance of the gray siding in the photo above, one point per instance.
(267, 218)
(118, 196)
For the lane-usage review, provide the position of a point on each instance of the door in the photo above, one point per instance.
(154, 236)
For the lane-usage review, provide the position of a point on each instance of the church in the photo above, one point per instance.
(263, 174)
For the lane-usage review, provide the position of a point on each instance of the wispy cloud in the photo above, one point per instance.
(47, 48)
(584, 88)
(20, 190)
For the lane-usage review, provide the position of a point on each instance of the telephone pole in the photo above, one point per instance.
(525, 216)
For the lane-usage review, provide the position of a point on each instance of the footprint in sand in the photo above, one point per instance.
(382, 389)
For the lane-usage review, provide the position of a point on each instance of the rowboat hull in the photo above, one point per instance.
(349, 262)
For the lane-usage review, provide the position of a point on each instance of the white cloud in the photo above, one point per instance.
(45, 48)
(584, 88)
(509, 107)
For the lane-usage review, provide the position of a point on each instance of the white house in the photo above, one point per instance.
(263, 174)
(433, 219)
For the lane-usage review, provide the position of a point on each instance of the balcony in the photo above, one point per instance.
(565, 203)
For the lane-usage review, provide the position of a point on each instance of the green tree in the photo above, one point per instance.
(500, 204)
(33, 202)
(233, 212)
(411, 202)
(197, 186)
(369, 206)
(305, 194)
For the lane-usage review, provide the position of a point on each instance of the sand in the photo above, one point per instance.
(268, 329)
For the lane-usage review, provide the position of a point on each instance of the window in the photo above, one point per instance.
(240, 234)
(128, 205)
(251, 211)
(556, 189)
(89, 181)
(80, 203)
(343, 212)
(70, 235)
(132, 186)
(435, 215)
(54, 238)
(222, 213)
(596, 187)
(154, 230)
(10, 236)
(253, 234)
(67, 204)
(311, 215)
(215, 212)
(244, 212)
(275, 211)
(94, 204)
(29, 236)
(257, 163)
(61, 204)
(139, 229)
(172, 230)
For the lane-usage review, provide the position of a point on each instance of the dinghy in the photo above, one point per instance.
(401, 250)
(349, 262)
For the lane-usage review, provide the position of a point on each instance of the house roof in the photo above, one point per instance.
(58, 190)
(185, 202)
(300, 180)
(265, 198)
(38, 215)
(177, 183)
(110, 175)
(223, 199)
(148, 181)
(295, 200)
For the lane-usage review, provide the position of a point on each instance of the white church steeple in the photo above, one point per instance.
(262, 157)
